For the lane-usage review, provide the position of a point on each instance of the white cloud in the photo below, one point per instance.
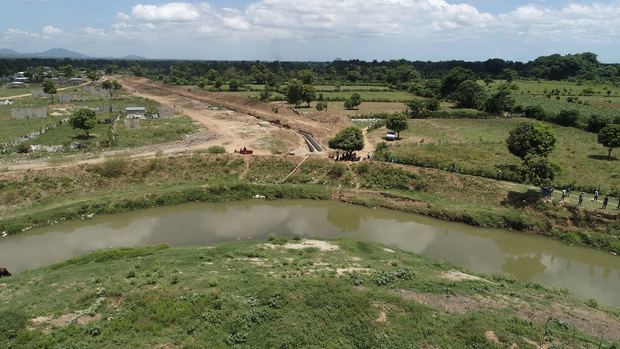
(171, 12)
(51, 30)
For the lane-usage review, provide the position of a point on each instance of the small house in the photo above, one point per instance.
(135, 112)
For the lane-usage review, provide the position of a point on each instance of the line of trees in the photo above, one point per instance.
(399, 73)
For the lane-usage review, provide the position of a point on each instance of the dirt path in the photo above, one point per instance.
(30, 94)
(230, 129)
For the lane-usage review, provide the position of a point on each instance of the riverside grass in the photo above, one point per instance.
(277, 294)
(46, 197)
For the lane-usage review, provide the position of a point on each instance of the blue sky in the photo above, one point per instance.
(315, 29)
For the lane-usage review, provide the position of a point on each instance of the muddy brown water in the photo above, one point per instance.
(585, 272)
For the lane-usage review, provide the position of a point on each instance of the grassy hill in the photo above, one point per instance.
(286, 294)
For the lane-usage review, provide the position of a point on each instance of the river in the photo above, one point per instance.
(585, 272)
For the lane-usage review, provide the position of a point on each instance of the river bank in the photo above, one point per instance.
(288, 294)
(38, 198)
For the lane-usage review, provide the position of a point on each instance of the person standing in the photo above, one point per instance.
(580, 203)
(605, 202)
(596, 194)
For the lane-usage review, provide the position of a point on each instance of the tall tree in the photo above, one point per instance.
(469, 95)
(84, 119)
(610, 137)
(534, 138)
(50, 88)
(348, 140)
(397, 122)
(354, 101)
(455, 77)
(294, 92)
(308, 94)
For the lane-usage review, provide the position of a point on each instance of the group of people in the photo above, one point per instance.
(349, 157)
(548, 192)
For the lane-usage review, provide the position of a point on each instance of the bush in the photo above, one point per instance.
(567, 118)
(535, 112)
(113, 167)
(596, 123)
(216, 149)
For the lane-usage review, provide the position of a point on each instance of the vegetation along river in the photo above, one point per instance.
(585, 272)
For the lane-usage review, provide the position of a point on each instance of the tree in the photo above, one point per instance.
(110, 69)
(112, 86)
(266, 93)
(294, 92)
(68, 71)
(531, 138)
(596, 123)
(469, 95)
(453, 79)
(537, 170)
(348, 140)
(84, 119)
(397, 122)
(137, 70)
(218, 83)
(93, 75)
(353, 101)
(415, 107)
(433, 104)
(306, 76)
(501, 101)
(308, 94)
(610, 137)
(49, 88)
(510, 74)
(233, 85)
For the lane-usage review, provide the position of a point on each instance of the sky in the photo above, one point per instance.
(318, 30)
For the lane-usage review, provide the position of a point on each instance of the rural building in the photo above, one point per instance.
(77, 81)
(135, 112)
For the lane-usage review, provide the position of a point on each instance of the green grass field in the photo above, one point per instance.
(278, 294)
(480, 144)
(155, 132)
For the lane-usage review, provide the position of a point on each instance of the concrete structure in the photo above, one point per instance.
(135, 112)
(165, 112)
(29, 113)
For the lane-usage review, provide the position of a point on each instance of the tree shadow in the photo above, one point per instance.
(521, 200)
(83, 137)
(602, 157)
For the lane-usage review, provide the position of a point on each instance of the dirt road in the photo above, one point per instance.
(230, 129)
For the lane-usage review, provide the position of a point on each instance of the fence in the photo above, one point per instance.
(165, 112)
(29, 113)
(132, 123)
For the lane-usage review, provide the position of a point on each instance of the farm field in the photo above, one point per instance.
(479, 145)
(7, 92)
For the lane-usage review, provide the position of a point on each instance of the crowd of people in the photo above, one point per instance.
(349, 157)
(548, 192)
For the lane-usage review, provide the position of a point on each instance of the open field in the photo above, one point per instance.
(479, 145)
(117, 185)
(7, 92)
(285, 294)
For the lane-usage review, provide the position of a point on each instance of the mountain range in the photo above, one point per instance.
(53, 53)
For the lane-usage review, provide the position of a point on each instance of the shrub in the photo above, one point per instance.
(535, 112)
(567, 118)
(11, 322)
(113, 167)
(216, 149)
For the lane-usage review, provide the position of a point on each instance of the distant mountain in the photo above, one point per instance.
(5, 52)
(51, 53)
